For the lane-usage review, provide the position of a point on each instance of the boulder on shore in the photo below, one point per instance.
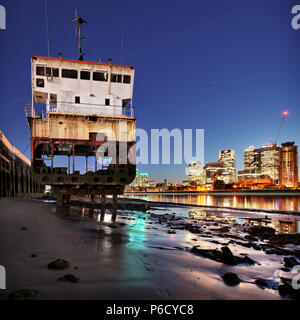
(262, 232)
(59, 264)
(69, 278)
(23, 294)
(231, 279)
(290, 262)
(228, 257)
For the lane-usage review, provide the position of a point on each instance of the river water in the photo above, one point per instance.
(269, 202)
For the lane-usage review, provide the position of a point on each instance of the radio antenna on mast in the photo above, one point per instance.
(122, 43)
(47, 28)
(79, 21)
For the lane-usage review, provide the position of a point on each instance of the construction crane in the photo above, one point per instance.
(284, 114)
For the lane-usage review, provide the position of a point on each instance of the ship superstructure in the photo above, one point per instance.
(76, 107)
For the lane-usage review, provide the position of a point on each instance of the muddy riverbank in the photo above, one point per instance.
(156, 253)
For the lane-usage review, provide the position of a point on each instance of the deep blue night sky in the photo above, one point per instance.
(229, 67)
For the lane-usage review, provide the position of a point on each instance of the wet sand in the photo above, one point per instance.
(132, 258)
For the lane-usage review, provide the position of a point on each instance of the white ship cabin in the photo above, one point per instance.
(82, 87)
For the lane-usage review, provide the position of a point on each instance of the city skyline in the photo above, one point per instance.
(269, 165)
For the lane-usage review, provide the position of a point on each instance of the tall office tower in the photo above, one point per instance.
(228, 158)
(197, 173)
(288, 176)
(137, 179)
(144, 179)
(215, 171)
(251, 158)
(269, 161)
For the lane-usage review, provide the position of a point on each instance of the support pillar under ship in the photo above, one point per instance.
(77, 107)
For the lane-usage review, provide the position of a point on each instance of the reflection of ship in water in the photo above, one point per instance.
(286, 225)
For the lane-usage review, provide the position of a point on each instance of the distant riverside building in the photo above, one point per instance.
(269, 161)
(137, 179)
(214, 171)
(250, 174)
(228, 158)
(144, 179)
(166, 182)
(288, 173)
(261, 163)
(253, 178)
(186, 183)
(141, 179)
(251, 159)
(197, 173)
(152, 184)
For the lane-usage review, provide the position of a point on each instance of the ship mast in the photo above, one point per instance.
(79, 21)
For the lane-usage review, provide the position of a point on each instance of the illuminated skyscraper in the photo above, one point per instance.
(215, 171)
(288, 176)
(251, 159)
(141, 179)
(261, 163)
(269, 161)
(228, 158)
(144, 179)
(197, 173)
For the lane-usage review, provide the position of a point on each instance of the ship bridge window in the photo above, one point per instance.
(44, 71)
(126, 79)
(40, 71)
(100, 76)
(40, 83)
(52, 72)
(116, 78)
(85, 75)
(69, 73)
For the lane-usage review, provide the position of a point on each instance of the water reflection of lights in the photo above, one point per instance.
(136, 232)
(173, 237)
(106, 217)
(85, 212)
(237, 201)
(234, 202)
(196, 213)
(240, 221)
(281, 223)
(209, 200)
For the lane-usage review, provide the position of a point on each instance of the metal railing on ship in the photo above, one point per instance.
(85, 108)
